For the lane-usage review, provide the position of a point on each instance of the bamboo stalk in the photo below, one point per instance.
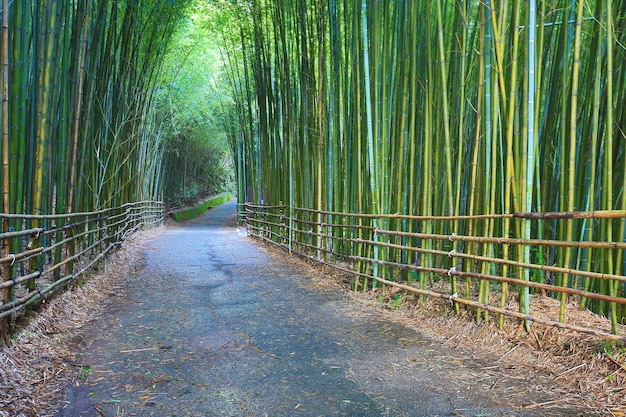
(373, 172)
(594, 145)
(530, 151)
(79, 104)
(608, 189)
(4, 58)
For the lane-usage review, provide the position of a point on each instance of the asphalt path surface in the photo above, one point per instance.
(212, 324)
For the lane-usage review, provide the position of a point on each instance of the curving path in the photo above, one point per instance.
(213, 326)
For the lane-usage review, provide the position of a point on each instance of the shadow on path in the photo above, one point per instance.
(212, 326)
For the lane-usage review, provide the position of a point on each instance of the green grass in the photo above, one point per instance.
(192, 213)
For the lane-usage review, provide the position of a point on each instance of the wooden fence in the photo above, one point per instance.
(482, 273)
(44, 253)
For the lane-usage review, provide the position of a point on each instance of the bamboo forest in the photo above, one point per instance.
(472, 151)
(457, 147)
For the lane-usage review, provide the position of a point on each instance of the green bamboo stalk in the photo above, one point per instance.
(482, 70)
(5, 115)
(373, 177)
(490, 128)
(360, 203)
(412, 134)
(428, 189)
(510, 177)
(538, 182)
(43, 140)
(443, 71)
(79, 106)
(564, 197)
(463, 14)
(530, 152)
(571, 191)
(62, 131)
(4, 60)
(608, 183)
(402, 200)
(18, 113)
(595, 133)
(334, 73)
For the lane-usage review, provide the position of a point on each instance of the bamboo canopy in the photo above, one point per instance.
(494, 121)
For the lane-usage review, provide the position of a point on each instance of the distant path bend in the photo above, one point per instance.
(213, 326)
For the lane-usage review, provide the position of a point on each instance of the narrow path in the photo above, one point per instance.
(213, 326)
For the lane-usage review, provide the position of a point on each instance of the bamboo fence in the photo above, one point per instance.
(60, 252)
(349, 245)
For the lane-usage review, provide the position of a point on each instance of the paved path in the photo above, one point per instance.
(213, 326)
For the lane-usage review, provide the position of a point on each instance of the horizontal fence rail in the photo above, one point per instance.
(43, 253)
(423, 255)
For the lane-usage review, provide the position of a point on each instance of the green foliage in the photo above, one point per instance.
(612, 348)
(536, 274)
(192, 213)
(195, 99)
(84, 371)
(84, 129)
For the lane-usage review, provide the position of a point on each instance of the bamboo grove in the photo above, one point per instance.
(79, 116)
(462, 113)
(81, 130)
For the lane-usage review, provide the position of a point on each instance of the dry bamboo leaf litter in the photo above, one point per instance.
(580, 369)
(39, 361)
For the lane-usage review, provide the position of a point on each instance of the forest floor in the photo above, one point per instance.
(199, 320)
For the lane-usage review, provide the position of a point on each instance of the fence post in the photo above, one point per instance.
(6, 271)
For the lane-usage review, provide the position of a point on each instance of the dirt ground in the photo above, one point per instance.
(209, 322)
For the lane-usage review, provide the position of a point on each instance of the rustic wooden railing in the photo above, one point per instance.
(486, 273)
(44, 253)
